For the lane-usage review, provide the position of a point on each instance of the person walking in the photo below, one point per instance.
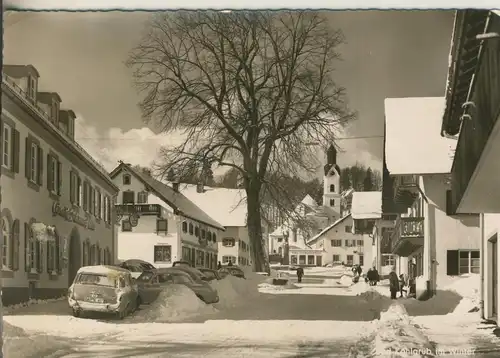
(300, 273)
(219, 265)
(402, 285)
(393, 284)
(230, 263)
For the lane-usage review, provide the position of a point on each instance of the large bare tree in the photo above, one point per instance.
(248, 90)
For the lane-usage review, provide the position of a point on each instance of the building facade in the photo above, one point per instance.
(472, 117)
(56, 200)
(158, 224)
(431, 242)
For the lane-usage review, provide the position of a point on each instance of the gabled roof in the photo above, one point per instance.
(413, 143)
(227, 206)
(328, 228)
(309, 201)
(366, 205)
(182, 205)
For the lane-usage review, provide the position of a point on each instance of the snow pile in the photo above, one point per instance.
(396, 336)
(269, 286)
(234, 290)
(346, 280)
(178, 302)
(467, 286)
(31, 302)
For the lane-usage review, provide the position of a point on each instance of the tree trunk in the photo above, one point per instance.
(259, 254)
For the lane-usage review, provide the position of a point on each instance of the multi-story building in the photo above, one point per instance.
(431, 241)
(158, 224)
(472, 117)
(56, 200)
(228, 207)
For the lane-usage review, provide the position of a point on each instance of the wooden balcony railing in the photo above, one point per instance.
(407, 228)
(476, 131)
(141, 209)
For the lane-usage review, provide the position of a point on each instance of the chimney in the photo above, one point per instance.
(199, 188)
(175, 186)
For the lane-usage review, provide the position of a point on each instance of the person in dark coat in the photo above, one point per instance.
(219, 265)
(230, 263)
(393, 284)
(376, 277)
(300, 273)
(372, 276)
(359, 270)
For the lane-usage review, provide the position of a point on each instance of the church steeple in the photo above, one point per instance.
(331, 155)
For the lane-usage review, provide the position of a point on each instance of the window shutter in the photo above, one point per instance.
(452, 262)
(71, 187)
(38, 253)
(27, 158)
(15, 151)
(85, 195)
(50, 165)
(49, 263)
(27, 247)
(78, 190)
(59, 178)
(15, 246)
(59, 255)
(40, 166)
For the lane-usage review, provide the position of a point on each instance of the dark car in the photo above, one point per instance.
(211, 274)
(181, 264)
(231, 270)
(193, 272)
(136, 266)
(151, 283)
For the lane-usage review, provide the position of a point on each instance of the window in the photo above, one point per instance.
(162, 226)
(86, 253)
(32, 251)
(228, 242)
(332, 202)
(184, 226)
(128, 197)
(6, 242)
(347, 243)
(203, 233)
(54, 172)
(186, 254)
(126, 227)
(350, 260)
(388, 260)
(280, 239)
(34, 163)
(293, 259)
(302, 259)
(360, 243)
(73, 187)
(348, 229)
(336, 258)
(336, 243)
(469, 262)
(54, 111)
(310, 259)
(86, 190)
(361, 260)
(142, 197)
(126, 179)
(191, 229)
(107, 209)
(51, 257)
(32, 88)
(228, 258)
(7, 145)
(214, 237)
(332, 188)
(91, 200)
(99, 204)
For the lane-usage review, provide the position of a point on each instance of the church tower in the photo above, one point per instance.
(331, 182)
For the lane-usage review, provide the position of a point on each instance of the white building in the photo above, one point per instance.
(159, 224)
(228, 207)
(432, 241)
(50, 185)
(472, 118)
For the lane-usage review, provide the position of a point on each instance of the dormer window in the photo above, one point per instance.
(32, 88)
(126, 179)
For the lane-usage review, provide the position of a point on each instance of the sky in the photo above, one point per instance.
(81, 56)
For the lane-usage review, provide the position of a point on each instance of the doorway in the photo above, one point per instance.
(319, 261)
(494, 275)
(74, 255)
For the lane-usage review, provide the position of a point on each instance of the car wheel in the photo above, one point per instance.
(76, 313)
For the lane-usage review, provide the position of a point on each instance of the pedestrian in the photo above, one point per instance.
(300, 273)
(219, 265)
(402, 285)
(376, 276)
(359, 270)
(230, 263)
(393, 284)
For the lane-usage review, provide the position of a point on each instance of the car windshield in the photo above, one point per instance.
(96, 280)
(146, 266)
(133, 268)
(145, 277)
(209, 274)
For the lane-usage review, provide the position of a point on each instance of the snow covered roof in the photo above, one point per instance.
(414, 144)
(227, 206)
(309, 201)
(496, 12)
(280, 230)
(175, 199)
(366, 205)
(102, 269)
(328, 228)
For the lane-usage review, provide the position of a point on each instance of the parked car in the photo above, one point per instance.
(108, 289)
(195, 274)
(181, 263)
(211, 274)
(231, 270)
(152, 283)
(136, 266)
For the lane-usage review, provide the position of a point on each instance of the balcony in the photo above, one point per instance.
(408, 235)
(140, 209)
(22, 96)
(471, 187)
(405, 189)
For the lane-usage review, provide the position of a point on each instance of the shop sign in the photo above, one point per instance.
(71, 215)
